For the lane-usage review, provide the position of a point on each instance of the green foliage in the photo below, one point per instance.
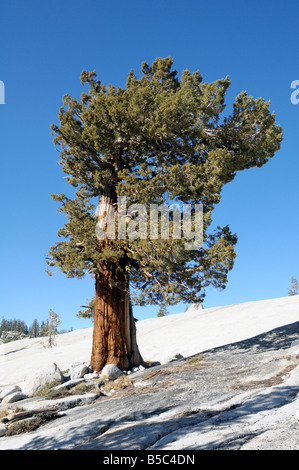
(44, 328)
(26, 425)
(30, 424)
(159, 139)
(34, 330)
(294, 289)
(53, 321)
(52, 324)
(162, 311)
(195, 359)
(45, 389)
(11, 330)
(89, 310)
(17, 326)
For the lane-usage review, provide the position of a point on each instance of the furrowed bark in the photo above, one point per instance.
(114, 332)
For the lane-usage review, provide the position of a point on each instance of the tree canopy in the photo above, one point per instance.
(159, 140)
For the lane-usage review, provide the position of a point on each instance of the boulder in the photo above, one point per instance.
(69, 384)
(13, 397)
(78, 370)
(195, 308)
(3, 429)
(176, 357)
(91, 376)
(111, 372)
(9, 390)
(51, 373)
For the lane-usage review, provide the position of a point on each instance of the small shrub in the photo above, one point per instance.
(103, 429)
(26, 425)
(60, 393)
(29, 424)
(81, 388)
(195, 359)
(46, 388)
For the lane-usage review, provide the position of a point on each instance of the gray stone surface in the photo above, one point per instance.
(68, 384)
(39, 378)
(9, 390)
(78, 370)
(239, 396)
(13, 397)
(3, 429)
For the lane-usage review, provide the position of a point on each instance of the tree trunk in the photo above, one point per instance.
(114, 331)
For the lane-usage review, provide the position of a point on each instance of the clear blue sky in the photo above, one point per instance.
(43, 49)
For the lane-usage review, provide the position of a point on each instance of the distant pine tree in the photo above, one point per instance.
(294, 289)
(162, 311)
(3, 326)
(34, 330)
(43, 329)
(12, 330)
(53, 322)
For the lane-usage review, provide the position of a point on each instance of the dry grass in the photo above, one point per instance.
(45, 390)
(29, 424)
(121, 383)
(275, 380)
(3, 413)
(79, 389)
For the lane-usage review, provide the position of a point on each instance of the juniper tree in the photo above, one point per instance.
(157, 140)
